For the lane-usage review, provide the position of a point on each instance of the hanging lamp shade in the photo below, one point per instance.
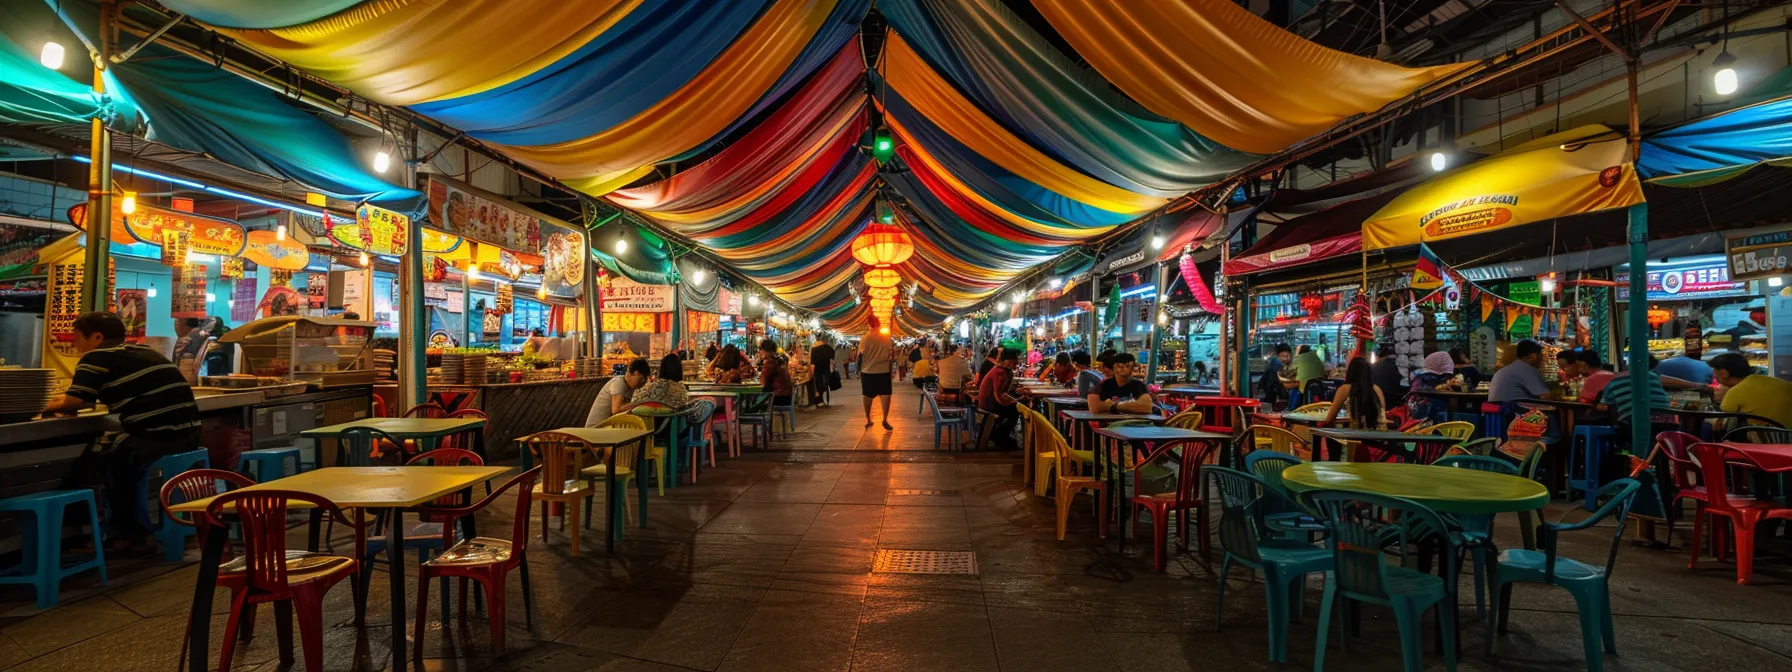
(883, 245)
(882, 305)
(883, 292)
(881, 277)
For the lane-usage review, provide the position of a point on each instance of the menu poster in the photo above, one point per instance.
(658, 345)
(242, 300)
(506, 300)
(624, 294)
(317, 291)
(563, 265)
(63, 306)
(464, 211)
(19, 244)
(375, 229)
(188, 299)
(354, 294)
(133, 309)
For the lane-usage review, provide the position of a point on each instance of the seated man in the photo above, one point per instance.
(1122, 393)
(1745, 391)
(995, 395)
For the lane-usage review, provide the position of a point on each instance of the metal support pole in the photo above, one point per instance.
(677, 314)
(96, 294)
(1638, 326)
(594, 325)
(1157, 329)
(1094, 314)
(413, 322)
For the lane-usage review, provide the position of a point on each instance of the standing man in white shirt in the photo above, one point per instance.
(876, 353)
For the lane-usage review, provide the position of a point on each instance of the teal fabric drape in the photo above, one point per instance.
(30, 92)
(258, 14)
(647, 259)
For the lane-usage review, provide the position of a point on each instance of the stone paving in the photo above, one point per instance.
(766, 564)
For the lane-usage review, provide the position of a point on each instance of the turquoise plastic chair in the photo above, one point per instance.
(1589, 584)
(40, 542)
(1476, 535)
(697, 436)
(955, 421)
(270, 463)
(1248, 539)
(170, 534)
(1363, 530)
(1286, 519)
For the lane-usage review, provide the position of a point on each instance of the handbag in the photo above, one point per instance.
(833, 380)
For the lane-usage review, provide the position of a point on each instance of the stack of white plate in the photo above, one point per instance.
(25, 392)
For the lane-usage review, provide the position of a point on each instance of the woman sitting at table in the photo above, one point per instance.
(1437, 373)
(1061, 372)
(731, 367)
(1122, 393)
(775, 378)
(1360, 397)
(668, 390)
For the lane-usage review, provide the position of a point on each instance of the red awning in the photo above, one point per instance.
(1194, 229)
(1329, 233)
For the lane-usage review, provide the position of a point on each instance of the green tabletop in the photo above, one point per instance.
(1444, 489)
(403, 428)
(600, 436)
(726, 387)
(719, 394)
(1311, 417)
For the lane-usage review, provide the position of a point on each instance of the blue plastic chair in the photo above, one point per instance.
(171, 535)
(697, 436)
(1591, 443)
(955, 421)
(786, 413)
(270, 463)
(40, 539)
(1247, 538)
(1589, 584)
(1476, 535)
(1286, 518)
(1362, 530)
(754, 409)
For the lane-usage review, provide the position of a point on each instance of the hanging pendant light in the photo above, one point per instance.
(883, 245)
(882, 277)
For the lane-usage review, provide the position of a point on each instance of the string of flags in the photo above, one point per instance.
(1546, 322)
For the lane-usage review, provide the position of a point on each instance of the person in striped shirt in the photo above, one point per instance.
(155, 409)
(1617, 397)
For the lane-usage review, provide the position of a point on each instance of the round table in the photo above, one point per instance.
(1442, 489)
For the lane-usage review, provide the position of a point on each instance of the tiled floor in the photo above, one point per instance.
(766, 564)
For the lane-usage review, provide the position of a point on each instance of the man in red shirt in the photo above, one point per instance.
(993, 397)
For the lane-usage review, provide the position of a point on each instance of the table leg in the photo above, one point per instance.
(640, 495)
(396, 560)
(610, 499)
(317, 525)
(199, 621)
(674, 449)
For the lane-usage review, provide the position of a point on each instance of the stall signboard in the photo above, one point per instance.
(699, 323)
(317, 292)
(375, 230)
(354, 293)
(280, 301)
(206, 235)
(267, 248)
(1758, 256)
(19, 244)
(624, 294)
(641, 322)
(563, 260)
(730, 302)
(464, 211)
(1684, 279)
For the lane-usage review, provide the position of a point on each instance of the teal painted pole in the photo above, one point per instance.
(1157, 326)
(1637, 325)
(1094, 314)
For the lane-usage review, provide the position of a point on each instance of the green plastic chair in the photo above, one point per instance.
(1481, 446)
(1589, 584)
(1285, 518)
(1477, 530)
(1246, 539)
(1361, 535)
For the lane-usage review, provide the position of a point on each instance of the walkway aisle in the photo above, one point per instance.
(768, 564)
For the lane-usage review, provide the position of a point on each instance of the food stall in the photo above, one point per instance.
(1694, 297)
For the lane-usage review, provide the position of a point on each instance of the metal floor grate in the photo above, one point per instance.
(899, 561)
(912, 492)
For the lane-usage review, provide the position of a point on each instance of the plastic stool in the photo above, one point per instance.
(1491, 416)
(1591, 443)
(263, 459)
(172, 536)
(40, 552)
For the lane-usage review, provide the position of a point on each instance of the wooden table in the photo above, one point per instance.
(615, 438)
(1344, 434)
(1135, 438)
(1079, 419)
(1442, 489)
(428, 432)
(1048, 391)
(393, 489)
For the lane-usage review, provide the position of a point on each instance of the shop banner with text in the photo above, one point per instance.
(1570, 173)
(205, 235)
(624, 294)
(1762, 255)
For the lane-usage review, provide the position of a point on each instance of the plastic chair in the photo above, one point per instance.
(1362, 529)
(698, 434)
(1287, 519)
(625, 475)
(655, 453)
(1716, 461)
(426, 410)
(1686, 479)
(1460, 431)
(1247, 539)
(433, 532)
(786, 413)
(187, 486)
(266, 572)
(379, 407)
(1477, 530)
(1589, 584)
(1316, 407)
(171, 535)
(1278, 439)
(40, 539)
(1181, 497)
(1069, 481)
(563, 479)
(485, 560)
(355, 446)
(754, 409)
(955, 421)
(1588, 449)
(1482, 446)
(269, 463)
(1758, 434)
(1189, 419)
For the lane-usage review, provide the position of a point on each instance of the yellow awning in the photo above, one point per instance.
(1569, 173)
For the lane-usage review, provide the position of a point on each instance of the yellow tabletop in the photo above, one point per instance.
(403, 428)
(600, 436)
(372, 487)
(1445, 489)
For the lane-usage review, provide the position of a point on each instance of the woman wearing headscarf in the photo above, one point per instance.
(1437, 372)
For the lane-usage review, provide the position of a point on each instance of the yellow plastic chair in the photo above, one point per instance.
(1458, 430)
(1189, 420)
(1041, 456)
(1070, 480)
(562, 460)
(625, 476)
(1267, 437)
(1316, 407)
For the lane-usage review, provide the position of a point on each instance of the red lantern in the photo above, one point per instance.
(1312, 303)
(882, 245)
(1658, 317)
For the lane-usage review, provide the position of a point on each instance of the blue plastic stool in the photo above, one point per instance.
(1491, 424)
(171, 535)
(266, 461)
(40, 539)
(1591, 443)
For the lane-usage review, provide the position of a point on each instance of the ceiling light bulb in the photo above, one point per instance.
(884, 330)
(1001, 307)
(1163, 318)
(1157, 242)
(1055, 283)
(1439, 161)
(621, 245)
(697, 277)
(1547, 285)
(1724, 81)
(280, 232)
(382, 161)
(129, 204)
(1774, 281)
(541, 292)
(472, 274)
(210, 297)
(365, 259)
(51, 56)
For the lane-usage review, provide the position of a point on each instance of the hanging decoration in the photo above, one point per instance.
(882, 277)
(1312, 304)
(1197, 285)
(1658, 317)
(883, 245)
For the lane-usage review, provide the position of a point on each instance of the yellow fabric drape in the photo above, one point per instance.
(1569, 173)
(941, 104)
(695, 113)
(404, 52)
(1229, 75)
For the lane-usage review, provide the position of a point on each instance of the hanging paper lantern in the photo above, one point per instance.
(1658, 317)
(1311, 303)
(1197, 285)
(882, 245)
(883, 292)
(882, 277)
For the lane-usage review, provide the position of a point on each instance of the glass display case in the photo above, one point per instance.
(325, 352)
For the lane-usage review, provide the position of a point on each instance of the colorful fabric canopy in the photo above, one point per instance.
(1719, 148)
(261, 13)
(1229, 75)
(32, 93)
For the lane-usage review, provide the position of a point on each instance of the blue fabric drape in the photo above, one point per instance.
(964, 242)
(646, 56)
(1019, 78)
(30, 92)
(198, 107)
(1729, 141)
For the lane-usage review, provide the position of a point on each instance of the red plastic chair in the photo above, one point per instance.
(379, 406)
(427, 410)
(1184, 499)
(267, 572)
(192, 485)
(465, 440)
(1715, 461)
(483, 559)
